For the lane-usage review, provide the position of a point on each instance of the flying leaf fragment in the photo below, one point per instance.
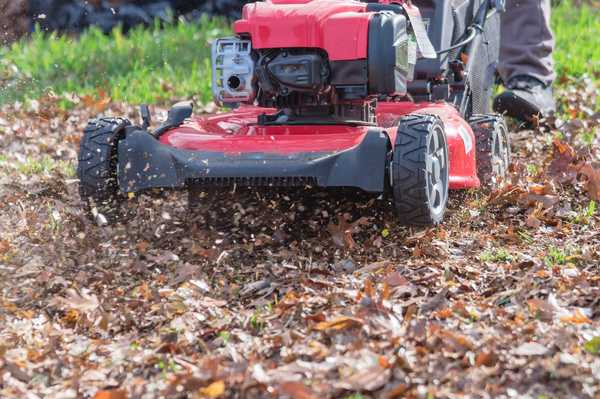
(563, 166)
(339, 323)
(341, 233)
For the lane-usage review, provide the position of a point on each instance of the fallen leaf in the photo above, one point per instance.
(341, 233)
(339, 323)
(396, 279)
(542, 309)
(576, 318)
(4, 246)
(562, 167)
(370, 379)
(530, 349)
(81, 302)
(296, 390)
(111, 394)
(488, 359)
(214, 390)
(593, 181)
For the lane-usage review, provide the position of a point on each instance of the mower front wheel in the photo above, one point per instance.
(97, 169)
(419, 170)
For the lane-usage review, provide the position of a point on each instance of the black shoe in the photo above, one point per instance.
(525, 99)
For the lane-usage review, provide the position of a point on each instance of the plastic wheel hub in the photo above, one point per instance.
(437, 170)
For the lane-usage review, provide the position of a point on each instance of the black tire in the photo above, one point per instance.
(420, 182)
(97, 169)
(493, 148)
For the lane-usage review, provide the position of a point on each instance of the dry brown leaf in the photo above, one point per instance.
(296, 390)
(97, 104)
(4, 246)
(80, 302)
(541, 308)
(593, 181)
(563, 165)
(396, 279)
(339, 323)
(488, 359)
(341, 233)
(370, 379)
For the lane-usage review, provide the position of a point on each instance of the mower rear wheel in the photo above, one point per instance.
(419, 170)
(97, 169)
(493, 147)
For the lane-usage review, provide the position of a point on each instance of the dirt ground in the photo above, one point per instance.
(300, 294)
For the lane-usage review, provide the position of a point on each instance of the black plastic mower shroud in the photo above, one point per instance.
(145, 163)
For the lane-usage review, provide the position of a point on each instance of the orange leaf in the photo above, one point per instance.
(443, 313)
(339, 323)
(296, 390)
(369, 289)
(487, 359)
(4, 246)
(111, 394)
(593, 182)
(576, 318)
(214, 390)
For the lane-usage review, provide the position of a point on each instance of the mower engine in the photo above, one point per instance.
(330, 60)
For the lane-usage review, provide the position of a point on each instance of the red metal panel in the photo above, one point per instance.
(340, 27)
(237, 132)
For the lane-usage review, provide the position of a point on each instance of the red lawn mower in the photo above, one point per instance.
(387, 97)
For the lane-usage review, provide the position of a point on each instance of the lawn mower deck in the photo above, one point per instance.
(232, 148)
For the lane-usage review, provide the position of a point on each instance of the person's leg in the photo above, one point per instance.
(526, 64)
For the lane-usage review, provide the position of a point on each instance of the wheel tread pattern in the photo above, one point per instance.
(96, 170)
(409, 170)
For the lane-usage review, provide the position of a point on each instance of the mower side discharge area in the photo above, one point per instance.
(146, 163)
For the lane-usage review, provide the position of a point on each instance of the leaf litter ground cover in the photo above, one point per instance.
(300, 294)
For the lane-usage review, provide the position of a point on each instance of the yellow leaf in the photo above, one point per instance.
(214, 390)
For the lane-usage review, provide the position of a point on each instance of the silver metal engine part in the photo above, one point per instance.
(232, 71)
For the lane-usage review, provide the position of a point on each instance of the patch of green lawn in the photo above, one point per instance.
(159, 65)
(147, 65)
(576, 30)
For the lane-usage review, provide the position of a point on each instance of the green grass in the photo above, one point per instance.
(158, 65)
(576, 30)
(151, 65)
